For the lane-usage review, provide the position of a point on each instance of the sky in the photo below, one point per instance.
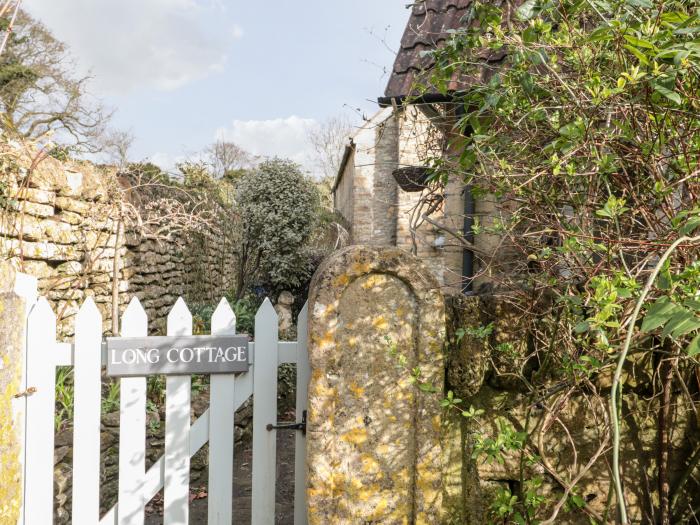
(182, 73)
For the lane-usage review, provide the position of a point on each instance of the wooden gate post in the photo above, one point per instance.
(13, 314)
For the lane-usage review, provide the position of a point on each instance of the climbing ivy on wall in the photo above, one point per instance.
(587, 130)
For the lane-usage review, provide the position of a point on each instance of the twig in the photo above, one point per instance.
(454, 233)
(8, 31)
(614, 409)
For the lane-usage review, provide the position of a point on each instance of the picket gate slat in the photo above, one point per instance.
(222, 410)
(303, 375)
(86, 427)
(264, 413)
(177, 429)
(132, 428)
(182, 439)
(39, 441)
(155, 477)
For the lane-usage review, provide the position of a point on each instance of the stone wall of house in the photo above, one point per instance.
(419, 140)
(365, 202)
(344, 191)
(380, 213)
(377, 212)
(58, 222)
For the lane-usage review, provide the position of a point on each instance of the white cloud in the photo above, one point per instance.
(163, 160)
(282, 137)
(163, 44)
(236, 31)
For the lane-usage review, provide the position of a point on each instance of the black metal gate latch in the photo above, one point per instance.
(291, 426)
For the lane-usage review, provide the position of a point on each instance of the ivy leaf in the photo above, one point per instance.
(693, 304)
(638, 42)
(669, 94)
(659, 314)
(527, 10)
(688, 227)
(582, 327)
(578, 501)
(681, 323)
(636, 52)
(694, 347)
(518, 518)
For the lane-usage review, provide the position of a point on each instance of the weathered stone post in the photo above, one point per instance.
(12, 324)
(374, 439)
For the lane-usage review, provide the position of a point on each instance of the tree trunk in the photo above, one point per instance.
(666, 373)
(116, 263)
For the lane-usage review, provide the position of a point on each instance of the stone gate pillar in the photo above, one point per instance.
(12, 328)
(374, 453)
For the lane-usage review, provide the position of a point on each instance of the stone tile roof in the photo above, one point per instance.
(427, 29)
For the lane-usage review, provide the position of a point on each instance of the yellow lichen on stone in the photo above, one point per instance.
(327, 340)
(383, 449)
(380, 323)
(359, 268)
(11, 337)
(356, 436)
(357, 390)
(378, 511)
(341, 280)
(369, 464)
(379, 429)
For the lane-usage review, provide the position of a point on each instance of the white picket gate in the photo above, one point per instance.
(136, 485)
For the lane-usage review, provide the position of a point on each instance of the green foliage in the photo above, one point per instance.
(110, 399)
(589, 128)
(245, 310)
(506, 440)
(64, 396)
(478, 332)
(677, 313)
(7, 202)
(278, 209)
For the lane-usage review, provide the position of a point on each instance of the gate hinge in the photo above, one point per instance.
(291, 426)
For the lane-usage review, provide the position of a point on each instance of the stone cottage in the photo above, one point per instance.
(379, 190)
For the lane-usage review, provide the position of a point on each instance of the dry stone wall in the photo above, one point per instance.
(58, 222)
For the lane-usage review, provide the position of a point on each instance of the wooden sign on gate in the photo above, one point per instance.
(177, 355)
